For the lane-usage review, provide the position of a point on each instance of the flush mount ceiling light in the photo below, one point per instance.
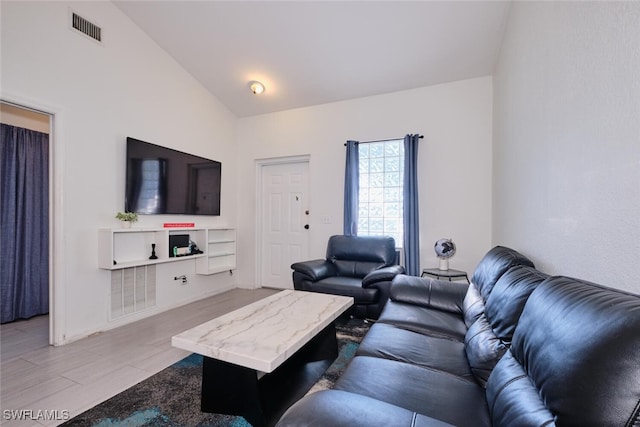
(256, 87)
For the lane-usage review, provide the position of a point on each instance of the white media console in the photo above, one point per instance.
(131, 247)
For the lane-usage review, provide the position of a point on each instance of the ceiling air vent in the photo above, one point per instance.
(86, 27)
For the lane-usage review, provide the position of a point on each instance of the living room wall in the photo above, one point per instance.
(100, 94)
(454, 158)
(566, 158)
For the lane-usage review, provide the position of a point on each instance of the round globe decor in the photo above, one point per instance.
(445, 249)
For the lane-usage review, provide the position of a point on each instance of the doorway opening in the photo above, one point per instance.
(33, 123)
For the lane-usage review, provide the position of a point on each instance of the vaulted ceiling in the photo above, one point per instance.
(315, 52)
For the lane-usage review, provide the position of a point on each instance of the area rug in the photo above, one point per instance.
(172, 396)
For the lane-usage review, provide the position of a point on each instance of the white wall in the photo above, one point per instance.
(455, 160)
(567, 139)
(101, 94)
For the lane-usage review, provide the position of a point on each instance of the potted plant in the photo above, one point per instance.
(127, 218)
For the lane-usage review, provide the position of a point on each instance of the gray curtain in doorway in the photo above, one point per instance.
(24, 223)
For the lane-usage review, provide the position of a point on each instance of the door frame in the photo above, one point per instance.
(260, 164)
(56, 223)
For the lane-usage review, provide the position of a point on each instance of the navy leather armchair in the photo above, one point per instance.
(356, 266)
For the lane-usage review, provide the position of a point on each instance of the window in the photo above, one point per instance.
(380, 193)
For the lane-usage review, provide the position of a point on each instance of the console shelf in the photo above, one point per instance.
(220, 252)
(122, 248)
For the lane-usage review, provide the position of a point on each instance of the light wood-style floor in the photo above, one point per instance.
(75, 377)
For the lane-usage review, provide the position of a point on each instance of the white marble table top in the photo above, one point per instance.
(264, 334)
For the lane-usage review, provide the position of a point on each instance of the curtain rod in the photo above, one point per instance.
(381, 140)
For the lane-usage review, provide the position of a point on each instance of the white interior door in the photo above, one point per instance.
(284, 221)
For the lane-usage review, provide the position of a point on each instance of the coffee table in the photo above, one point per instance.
(260, 359)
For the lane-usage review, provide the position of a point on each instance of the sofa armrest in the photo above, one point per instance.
(316, 269)
(427, 292)
(381, 275)
(338, 408)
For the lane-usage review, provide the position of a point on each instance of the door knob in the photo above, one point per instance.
(306, 226)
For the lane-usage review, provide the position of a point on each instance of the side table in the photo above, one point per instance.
(448, 274)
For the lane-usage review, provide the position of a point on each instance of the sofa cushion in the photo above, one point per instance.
(373, 250)
(392, 343)
(349, 287)
(513, 398)
(424, 320)
(428, 292)
(504, 305)
(338, 408)
(493, 265)
(351, 268)
(577, 346)
(355, 256)
(489, 337)
(436, 394)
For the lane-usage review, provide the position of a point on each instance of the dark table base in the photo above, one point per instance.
(236, 390)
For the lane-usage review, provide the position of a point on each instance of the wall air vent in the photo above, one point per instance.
(133, 289)
(86, 27)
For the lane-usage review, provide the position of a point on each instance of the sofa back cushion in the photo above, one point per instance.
(574, 359)
(490, 268)
(493, 265)
(356, 256)
(488, 338)
(508, 297)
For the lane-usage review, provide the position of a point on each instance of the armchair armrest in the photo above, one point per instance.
(316, 269)
(426, 292)
(381, 275)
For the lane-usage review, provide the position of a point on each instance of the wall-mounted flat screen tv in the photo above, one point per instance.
(165, 181)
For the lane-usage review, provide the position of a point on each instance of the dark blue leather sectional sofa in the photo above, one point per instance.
(514, 348)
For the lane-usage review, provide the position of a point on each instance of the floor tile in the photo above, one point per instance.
(77, 376)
